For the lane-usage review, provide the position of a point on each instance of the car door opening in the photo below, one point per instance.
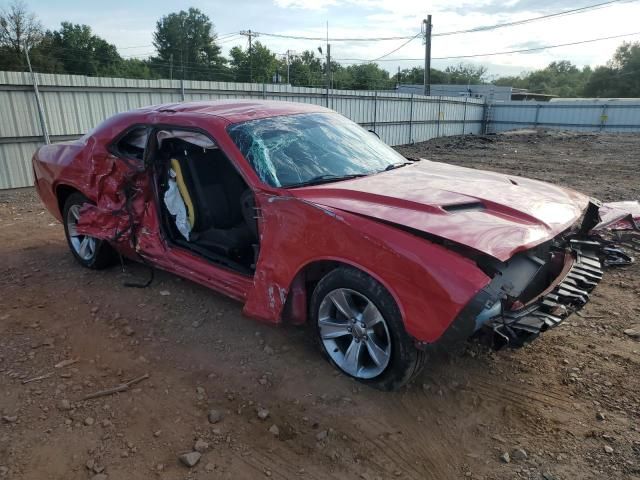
(206, 205)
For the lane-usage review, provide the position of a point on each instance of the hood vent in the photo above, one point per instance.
(463, 207)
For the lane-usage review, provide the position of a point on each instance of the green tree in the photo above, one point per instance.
(620, 77)
(137, 68)
(341, 77)
(561, 78)
(306, 70)
(187, 40)
(602, 83)
(369, 76)
(19, 28)
(415, 76)
(465, 73)
(259, 65)
(78, 51)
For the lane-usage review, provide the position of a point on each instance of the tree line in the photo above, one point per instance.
(186, 46)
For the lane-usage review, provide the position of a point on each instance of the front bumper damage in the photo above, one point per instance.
(581, 274)
(537, 289)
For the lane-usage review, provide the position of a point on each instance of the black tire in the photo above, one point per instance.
(405, 360)
(103, 255)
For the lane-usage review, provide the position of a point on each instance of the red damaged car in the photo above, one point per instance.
(304, 216)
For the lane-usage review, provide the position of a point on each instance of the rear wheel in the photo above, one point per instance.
(361, 331)
(89, 252)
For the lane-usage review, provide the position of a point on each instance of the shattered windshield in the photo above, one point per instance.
(295, 150)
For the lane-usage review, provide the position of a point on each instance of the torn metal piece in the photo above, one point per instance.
(615, 256)
(521, 325)
(618, 231)
(619, 216)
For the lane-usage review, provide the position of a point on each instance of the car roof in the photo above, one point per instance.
(236, 111)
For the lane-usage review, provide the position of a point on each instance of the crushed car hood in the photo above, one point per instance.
(492, 213)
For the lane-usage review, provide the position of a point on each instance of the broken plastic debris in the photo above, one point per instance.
(619, 216)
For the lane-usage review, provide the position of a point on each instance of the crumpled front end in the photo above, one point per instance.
(537, 289)
(518, 320)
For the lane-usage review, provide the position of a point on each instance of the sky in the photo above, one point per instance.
(130, 26)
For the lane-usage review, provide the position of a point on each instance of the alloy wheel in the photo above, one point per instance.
(83, 245)
(354, 333)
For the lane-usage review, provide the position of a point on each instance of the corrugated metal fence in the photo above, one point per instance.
(75, 104)
(589, 115)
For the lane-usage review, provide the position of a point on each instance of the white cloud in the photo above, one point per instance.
(305, 4)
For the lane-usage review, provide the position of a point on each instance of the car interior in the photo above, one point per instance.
(206, 205)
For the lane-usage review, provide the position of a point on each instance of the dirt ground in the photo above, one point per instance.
(565, 407)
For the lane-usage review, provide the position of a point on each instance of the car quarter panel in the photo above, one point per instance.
(79, 164)
(429, 283)
(61, 164)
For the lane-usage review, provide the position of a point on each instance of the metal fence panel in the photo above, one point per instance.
(75, 104)
(585, 115)
(14, 170)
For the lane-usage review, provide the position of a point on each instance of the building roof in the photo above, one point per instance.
(494, 92)
(524, 94)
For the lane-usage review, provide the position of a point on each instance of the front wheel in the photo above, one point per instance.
(88, 251)
(361, 331)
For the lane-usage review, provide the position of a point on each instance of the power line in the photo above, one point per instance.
(481, 28)
(62, 52)
(134, 46)
(398, 48)
(524, 50)
(233, 38)
(223, 35)
(324, 39)
(533, 19)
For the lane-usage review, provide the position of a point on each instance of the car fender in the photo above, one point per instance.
(429, 283)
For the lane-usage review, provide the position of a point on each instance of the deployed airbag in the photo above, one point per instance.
(176, 207)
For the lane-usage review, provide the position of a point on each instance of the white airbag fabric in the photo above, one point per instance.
(176, 207)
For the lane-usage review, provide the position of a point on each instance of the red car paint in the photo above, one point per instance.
(362, 222)
(514, 215)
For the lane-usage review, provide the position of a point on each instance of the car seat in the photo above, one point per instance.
(213, 192)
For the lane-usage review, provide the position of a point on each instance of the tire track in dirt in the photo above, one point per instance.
(281, 464)
(423, 450)
(524, 397)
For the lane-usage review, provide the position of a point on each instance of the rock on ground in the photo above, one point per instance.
(215, 416)
(201, 446)
(190, 459)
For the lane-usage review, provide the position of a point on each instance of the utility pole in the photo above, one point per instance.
(250, 34)
(43, 122)
(171, 67)
(182, 52)
(328, 71)
(289, 54)
(328, 64)
(427, 55)
(398, 76)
